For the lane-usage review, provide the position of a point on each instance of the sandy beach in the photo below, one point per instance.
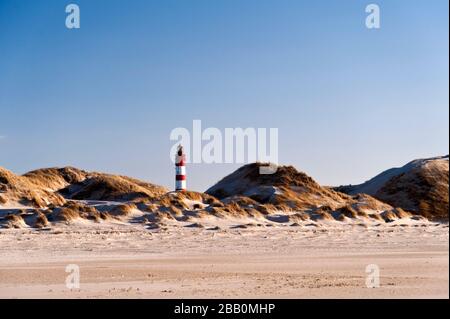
(305, 261)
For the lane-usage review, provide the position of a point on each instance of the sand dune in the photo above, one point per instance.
(421, 187)
(288, 196)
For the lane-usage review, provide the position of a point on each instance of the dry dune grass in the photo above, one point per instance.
(122, 210)
(175, 211)
(296, 218)
(377, 217)
(301, 199)
(242, 201)
(14, 221)
(76, 205)
(367, 203)
(319, 213)
(267, 209)
(202, 214)
(401, 213)
(55, 178)
(180, 200)
(170, 200)
(325, 216)
(41, 199)
(348, 211)
(186, 205)
(84, 211)
(363, 214)
(147, 207)
(161, 216)
(420, 187)
(213, 202)
(355, 211)
(64, 214)
(389, 216)
(41, 221)
(166, 210)
(248, 176)
(189, 195)
(423, 190)
(44, 187)
(112, 188)
(25, 191)
(343, 196)
(324, 209)
(301, 216)
(283, 207)
(252, 212)
(75, 210)
(7, 178)
(218, 212)
(233, 209)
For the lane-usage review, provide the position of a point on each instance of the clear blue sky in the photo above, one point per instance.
(348, 101)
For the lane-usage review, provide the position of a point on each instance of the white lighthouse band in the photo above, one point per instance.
(180, 185)
(180, 170)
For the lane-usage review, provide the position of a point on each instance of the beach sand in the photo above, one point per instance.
(305, 261)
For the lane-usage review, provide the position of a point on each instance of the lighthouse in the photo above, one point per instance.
(180, 170)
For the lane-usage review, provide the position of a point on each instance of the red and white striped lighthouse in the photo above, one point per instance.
(180, 170)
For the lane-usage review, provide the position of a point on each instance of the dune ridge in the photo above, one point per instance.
(421, 187)
(49, 197)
